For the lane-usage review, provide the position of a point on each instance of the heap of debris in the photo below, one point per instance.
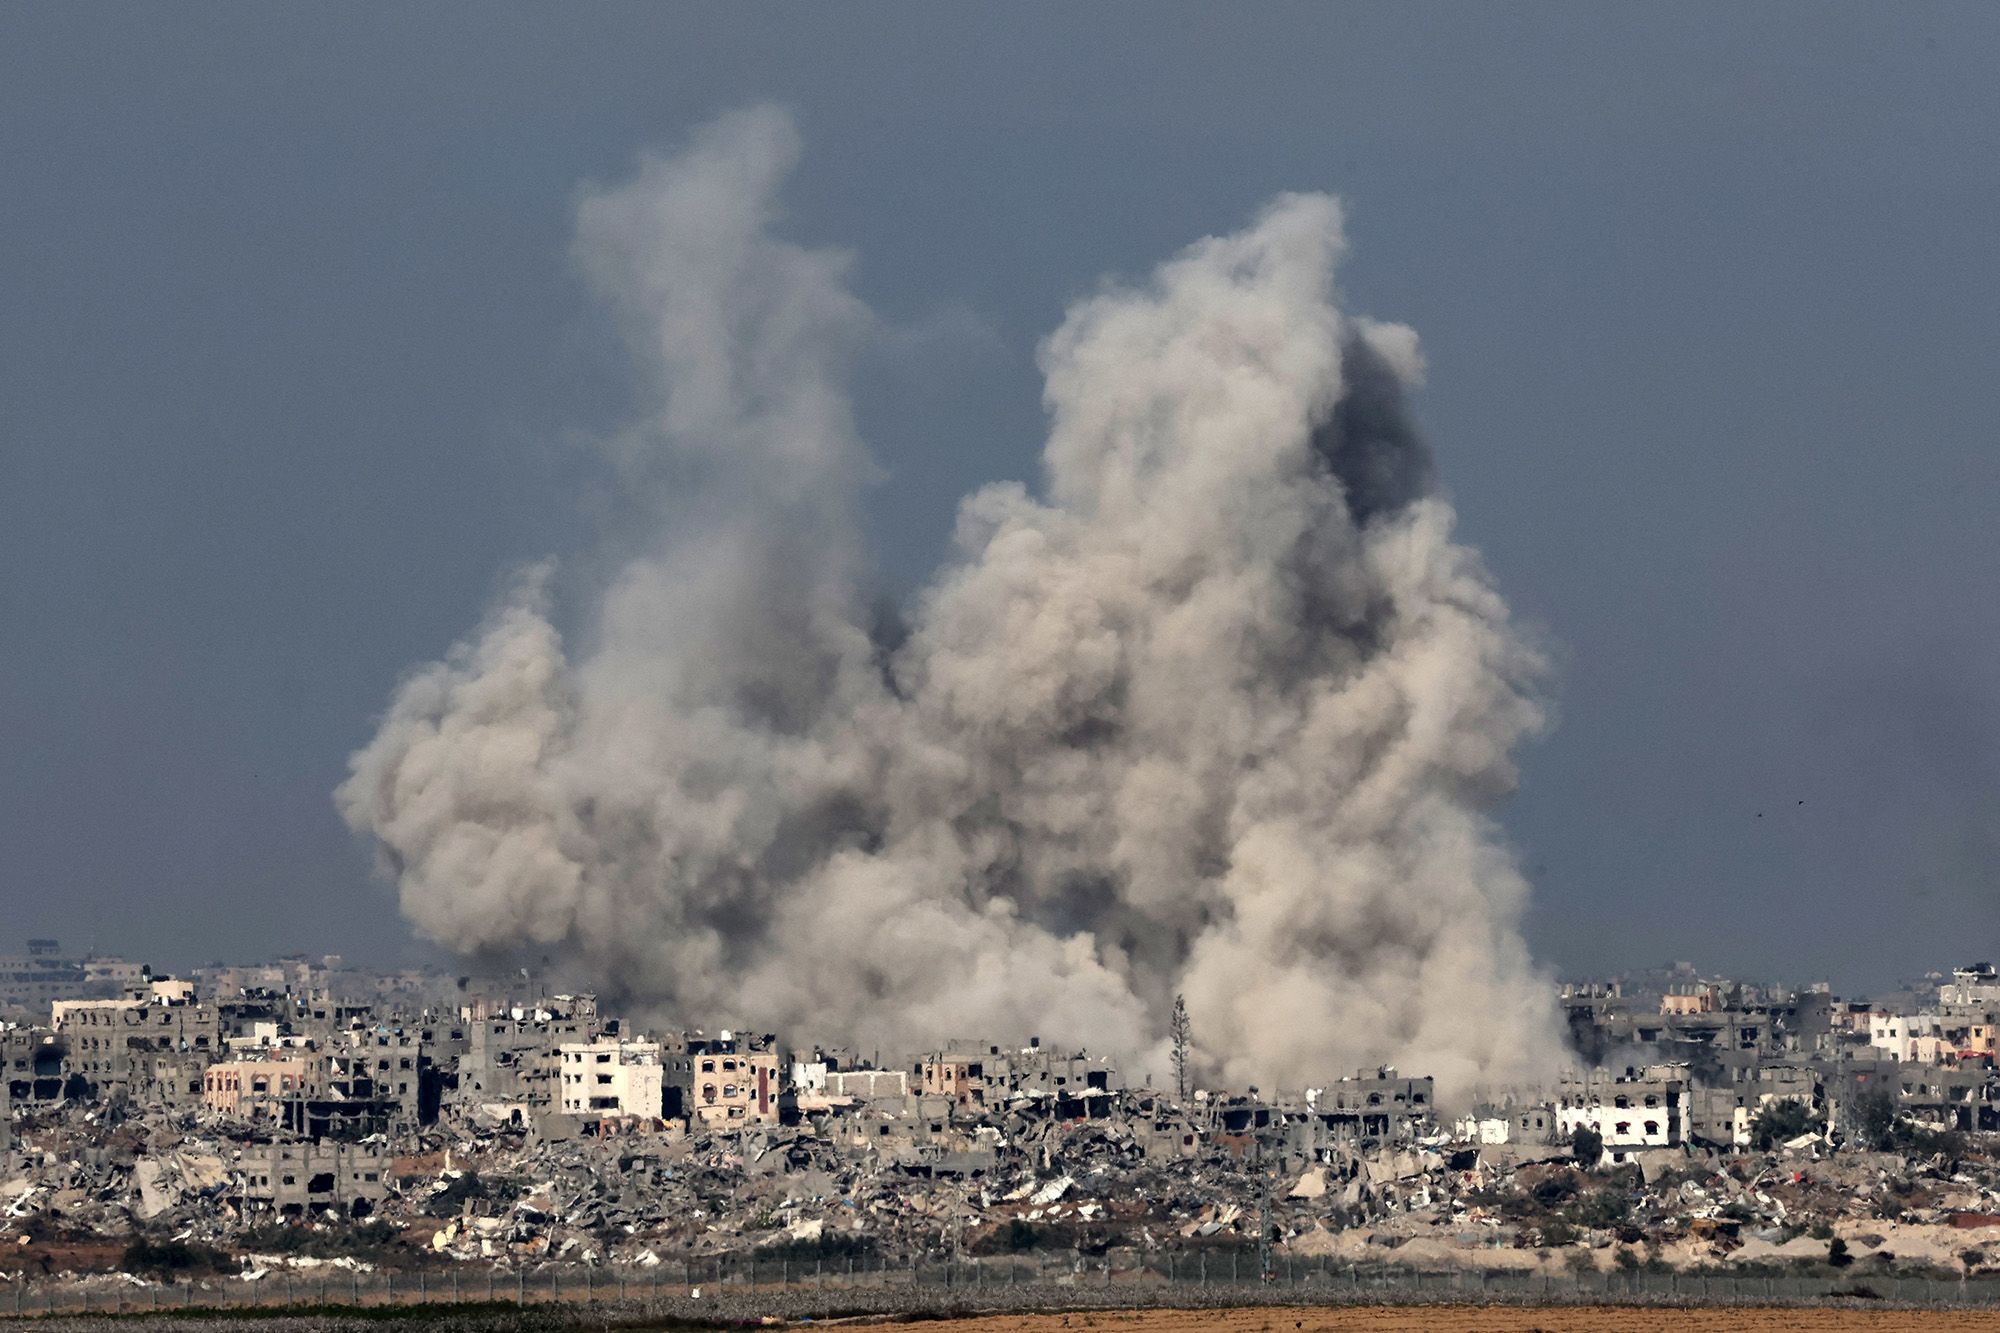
(302, 1125)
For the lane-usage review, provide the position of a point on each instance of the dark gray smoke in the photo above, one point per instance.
(1220, 711)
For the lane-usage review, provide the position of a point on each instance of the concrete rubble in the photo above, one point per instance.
(395, 1133)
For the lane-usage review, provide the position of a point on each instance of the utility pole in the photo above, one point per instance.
(1264, 1228)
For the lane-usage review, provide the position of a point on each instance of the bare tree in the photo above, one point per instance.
(1180, 1031)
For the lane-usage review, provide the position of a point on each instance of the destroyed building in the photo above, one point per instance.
(293, 1179)
(521, 1132)
(511, 1064)
(253, 1089)
(1630, 1110)
(112, 1043)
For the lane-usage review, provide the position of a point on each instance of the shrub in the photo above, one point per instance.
(1779, 1122)
(319, 1242)
(1602, 1209)
(163, 1259)
(1875, 1119)
(1019, 1237)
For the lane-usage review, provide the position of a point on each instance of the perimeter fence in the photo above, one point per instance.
(1204, 1277)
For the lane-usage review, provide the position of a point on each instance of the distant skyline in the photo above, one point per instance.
(293, 355)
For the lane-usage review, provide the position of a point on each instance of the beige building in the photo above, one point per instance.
(252, 1089)
(735, 1087)
(1700, 1000)
(957, 1076)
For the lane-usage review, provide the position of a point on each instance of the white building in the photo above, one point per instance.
(1529, 1123)
(610, 1078)
(1481, 1128)
(1975, 985)
(1634, 1111)
(1909, 1038)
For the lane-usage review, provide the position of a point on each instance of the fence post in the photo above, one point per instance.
(1204, 1270)
(520, 1287)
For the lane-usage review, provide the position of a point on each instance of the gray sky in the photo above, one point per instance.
(292, 360)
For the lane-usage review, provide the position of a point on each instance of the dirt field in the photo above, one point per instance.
(1489, 1319)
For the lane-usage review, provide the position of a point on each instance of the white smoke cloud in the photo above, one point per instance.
(1220, 711)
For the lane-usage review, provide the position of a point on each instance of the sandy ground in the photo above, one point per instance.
(1489, 1319)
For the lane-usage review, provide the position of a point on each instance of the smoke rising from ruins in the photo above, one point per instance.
(1220, 708)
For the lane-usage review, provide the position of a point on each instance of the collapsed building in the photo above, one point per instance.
(524, 1131)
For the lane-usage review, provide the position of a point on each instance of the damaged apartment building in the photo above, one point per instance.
(154, 1042)
(308, 1090)
(1736, 1050)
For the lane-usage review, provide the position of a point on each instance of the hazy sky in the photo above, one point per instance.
(293, 361)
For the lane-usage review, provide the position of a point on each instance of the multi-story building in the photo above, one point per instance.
(612, 1079)
(294, 1179)
(980, 1074)
(733, 1079)
(512, 1056)
(1630, 1111)
(35, 1062)
(956, 1073)
(111, 1042)
(254, 1089)
(1375, 1104)
(31, 982)
(1917, 1038)
(1975, 984)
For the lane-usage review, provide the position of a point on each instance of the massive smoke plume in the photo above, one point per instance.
(1218, 709)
